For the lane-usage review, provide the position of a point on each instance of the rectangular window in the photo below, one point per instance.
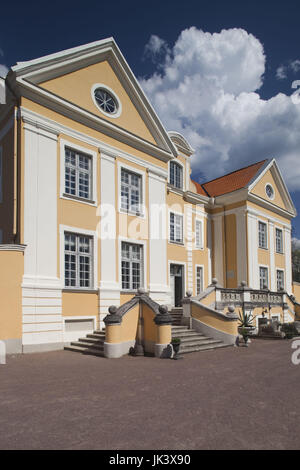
(263, 278)
(279, 241)
(262, 235)
(132, 266)
(78, 261)
(199, 234)
(131, 192)
(280, 280)
(78, 174)
(176, 174)
(176, 228)
(199, 280)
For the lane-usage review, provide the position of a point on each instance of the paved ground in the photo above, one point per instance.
(233, 398)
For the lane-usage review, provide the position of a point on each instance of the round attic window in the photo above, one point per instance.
(270, 191)
(106, 100)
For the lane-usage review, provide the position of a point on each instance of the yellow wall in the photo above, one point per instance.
(259, 190)
(79, 303)
(214, 320)
(296, 291)
(11, 273)
(76, 88)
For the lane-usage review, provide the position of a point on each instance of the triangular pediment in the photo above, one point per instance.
(269, 186)
(70, 78)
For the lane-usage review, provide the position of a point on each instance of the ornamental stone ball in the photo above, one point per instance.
(163, 309)
(243, 284)
(141, 291)
(189, 293)
(214, 281)
(231, 308)
(112, 309)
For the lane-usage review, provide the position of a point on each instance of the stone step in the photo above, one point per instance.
(83, 350)
(92, 340)
(177, 329)
(187, 350)
(191, 337)
(184, 334)
(95, 335)
(87, 345)
(198, 341)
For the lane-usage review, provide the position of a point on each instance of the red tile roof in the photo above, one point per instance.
(231, 182)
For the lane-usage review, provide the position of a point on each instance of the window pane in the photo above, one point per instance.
(77, 174)
(132, 266)
(78, 261)
(176, 175)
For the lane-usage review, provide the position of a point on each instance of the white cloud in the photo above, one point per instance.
(3, 70)
(156, 47)
(206, 88)
(281, 72)
(295, 244)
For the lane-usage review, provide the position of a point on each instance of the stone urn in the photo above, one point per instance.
(176, 346)
(245, 332)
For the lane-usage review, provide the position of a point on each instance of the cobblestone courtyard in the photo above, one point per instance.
(232, 398)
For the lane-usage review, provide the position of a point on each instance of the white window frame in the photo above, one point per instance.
(182, 263)
(113, 94)
(88, 233)
(268, 275)
(201, 266)
(138, 172)
(177, 214)
(86, 151)
(267, 234)
(199, 246)
(1, 174)
(281, 271)
(179, 163)
(145, 255)
(282, 241)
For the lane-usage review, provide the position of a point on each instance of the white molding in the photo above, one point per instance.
(270, 218)
(252, 250)
(271, 186)
(272, 257)
(183, 243)
(94, 179)
(109, 150)
(241, 247)
(198, 219)
(114, 95)
(10, 247)
(183, 174)
(218, 250)
(79, 231)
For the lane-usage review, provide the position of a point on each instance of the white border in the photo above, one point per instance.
(65, 143)
(182, 263)
(183, 174)
(111, 92)
(268, 268)
(80, 231)
(282, 231)
(145, 259)
(137, 172)
(283, 271)
(267, 225)
(203, 277)
(272, 197)
(197, 247)
(171, 211)
(69, 336)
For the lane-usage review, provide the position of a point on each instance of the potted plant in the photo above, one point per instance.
(176, 345)
(246, 325)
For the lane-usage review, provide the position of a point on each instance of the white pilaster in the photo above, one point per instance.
(189, 245)
(209, 251)
(109, 289)
(158, 288)
(241, 239)
(41, 287)
(253, 274)
(272, 256)
(288, 259)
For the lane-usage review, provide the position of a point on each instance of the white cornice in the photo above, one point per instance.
(270, 206)
(12, 247)
(56, 128)
(26, 76)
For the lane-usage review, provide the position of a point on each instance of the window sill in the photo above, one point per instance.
(263, 248)
(176, 243)
(132, 214)
(80, 290)
(70, 197)
(279, 253)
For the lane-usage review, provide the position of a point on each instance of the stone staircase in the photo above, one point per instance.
(192, 340)
(176, 314)
(92, 344)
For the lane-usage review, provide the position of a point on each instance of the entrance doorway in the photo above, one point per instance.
(176, 284)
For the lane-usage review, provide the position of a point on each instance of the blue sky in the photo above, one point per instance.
(220, 72)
